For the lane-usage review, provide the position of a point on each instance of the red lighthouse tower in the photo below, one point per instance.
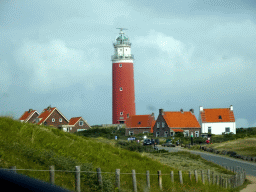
(123, 96)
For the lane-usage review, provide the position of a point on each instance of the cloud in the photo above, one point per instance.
(5, 77)
(242, 123)
(54, 65)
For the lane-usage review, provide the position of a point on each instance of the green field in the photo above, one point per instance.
(29, 146)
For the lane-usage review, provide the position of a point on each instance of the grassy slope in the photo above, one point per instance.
(37, 147)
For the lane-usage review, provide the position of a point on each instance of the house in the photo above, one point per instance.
(29, 116)
(76, 124)
(51, 116)
(217, 120)
(136, 124)
(170, 122)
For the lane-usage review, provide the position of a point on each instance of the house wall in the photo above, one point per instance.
(190, 130)
(33, 118)
(136, 130)
(219, 127)
(57, 116)
(161, 129)
(77, 126)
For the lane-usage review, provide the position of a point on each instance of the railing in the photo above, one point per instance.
(231, 182)
(121, 57)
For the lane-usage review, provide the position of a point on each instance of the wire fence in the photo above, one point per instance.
(211, 178)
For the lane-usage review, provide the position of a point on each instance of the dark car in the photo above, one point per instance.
(147, 142)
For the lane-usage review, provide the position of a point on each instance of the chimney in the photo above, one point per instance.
(201, 108)
(127, 115)
(181, 110)
(161, 111)
(192, 111)
(152, 114)
(30, 110)
(48, 108)
(231, 107)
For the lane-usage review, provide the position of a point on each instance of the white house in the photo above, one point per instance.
(217, 120)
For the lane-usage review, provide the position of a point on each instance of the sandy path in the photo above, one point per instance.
(250, 187)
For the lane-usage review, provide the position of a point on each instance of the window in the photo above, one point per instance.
(81, 123)
(130, 132)
(53, 120)
(121, 113)
(166, 134)
(158, 124)
(196, 133)
(120, 65)
(186, 133)
(162, 124)
(220, 117)
(121, 89)
(70, 128)
(60, 119)
(209, 130)
(139, 122)
(157, 134)
(171, 133)
(227, 129)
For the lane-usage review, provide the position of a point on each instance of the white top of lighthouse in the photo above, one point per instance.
(122, 48)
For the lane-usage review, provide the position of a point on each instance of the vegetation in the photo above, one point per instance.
(29, 146)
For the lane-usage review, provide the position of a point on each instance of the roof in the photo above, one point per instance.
(217, 115)
(74, 120)
(46, 113)
(152, 126)
(177, 130)
(178, 119)
(140, 121)
(27, 115)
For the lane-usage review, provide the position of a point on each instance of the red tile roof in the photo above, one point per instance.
(177, 119)
(177, 130)
(45, 114)
(27, 115)
(152, 126)
(212, 115)
(140, 121)
(74, 120)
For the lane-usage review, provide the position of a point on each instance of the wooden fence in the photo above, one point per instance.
(231, 182)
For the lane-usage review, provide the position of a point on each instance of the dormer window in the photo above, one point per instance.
(139, 122)
(220, 117)
(53, 120)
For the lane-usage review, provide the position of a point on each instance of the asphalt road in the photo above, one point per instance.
(249, 167)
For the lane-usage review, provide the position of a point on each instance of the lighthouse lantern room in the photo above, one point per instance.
(123, 95)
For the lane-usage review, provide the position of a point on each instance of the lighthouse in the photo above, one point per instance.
(123, 95)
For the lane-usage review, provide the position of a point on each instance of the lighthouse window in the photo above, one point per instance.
(121, 113)
(120, 65)
(121, 89)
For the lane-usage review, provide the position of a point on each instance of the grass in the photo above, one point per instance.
(29, 146)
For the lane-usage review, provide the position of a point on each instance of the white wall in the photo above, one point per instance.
(218, 127)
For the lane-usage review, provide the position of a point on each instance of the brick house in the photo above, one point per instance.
(217, 120)
(169, 122)
(136, 124)
(29, 116)
(51, 116)
(76, 124)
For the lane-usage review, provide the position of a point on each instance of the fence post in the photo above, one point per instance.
(172, 176)
(148, 179)
(134, 181)
(208, 176)
(190, 177)
(196, 176)
(226, 183)
(78, 178)
(236, 179)
(217, 180)
(52, 174)
(13, 169)
(118, 178)
(202, 176)
(180, 175)
(159, 179)
(99, 177)
(212, 177)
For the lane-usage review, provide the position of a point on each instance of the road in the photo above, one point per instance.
(250, 167)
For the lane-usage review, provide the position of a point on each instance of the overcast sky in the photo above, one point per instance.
(187, 54)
